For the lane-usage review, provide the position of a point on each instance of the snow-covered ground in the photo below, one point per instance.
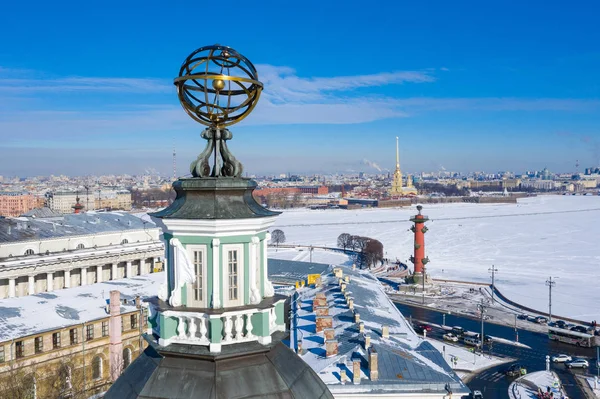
(527, 242)
(523, 387)
(466, 361)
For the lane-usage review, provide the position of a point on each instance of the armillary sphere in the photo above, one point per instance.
(218, 87)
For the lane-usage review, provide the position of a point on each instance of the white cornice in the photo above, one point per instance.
(215, 227)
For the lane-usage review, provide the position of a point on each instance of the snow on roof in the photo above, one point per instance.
(407, 363)
(30, 228)
(34, 314)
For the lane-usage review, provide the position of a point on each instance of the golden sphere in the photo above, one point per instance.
(218, 84)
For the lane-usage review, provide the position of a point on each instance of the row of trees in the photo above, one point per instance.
(370, 250)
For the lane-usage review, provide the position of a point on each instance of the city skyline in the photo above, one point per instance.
(84, 99)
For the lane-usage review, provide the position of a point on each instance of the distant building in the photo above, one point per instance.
(14, 204)
(48, 254)
(398, 188)
(64, 201)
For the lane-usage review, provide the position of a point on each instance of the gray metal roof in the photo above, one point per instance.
(33, 229)
(254, 371)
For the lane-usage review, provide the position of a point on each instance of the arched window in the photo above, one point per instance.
(126, 358)
(64, 376)
(97, 368)
(29, 252)
(124, 241)
(80, 246)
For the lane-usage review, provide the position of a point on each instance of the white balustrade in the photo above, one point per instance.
(227, 329)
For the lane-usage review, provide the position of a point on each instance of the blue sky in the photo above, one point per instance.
(466, 85)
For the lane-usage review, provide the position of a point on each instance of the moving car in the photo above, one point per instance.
(532, 319)
(561, 358)
(561, 323)
(541, 320)
(580, 329)
(522, 316)
(578, 363)
(488, 339)
(477, 395)
(516, 370)
(450, 337)
(425, 327)
(458, 331)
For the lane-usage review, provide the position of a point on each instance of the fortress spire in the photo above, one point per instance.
(397, 155)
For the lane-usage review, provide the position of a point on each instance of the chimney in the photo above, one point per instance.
(321, 295)
(343, 376)
(347, 279)
(373, 366)
(361, 327)
(354, 266)
(138, 302)
(343, 287)
(321, 311)
(331, 347)
(115, 348)
(338, 272)
(367, 341)
(356, 371)
(340, 281)
(329, 333)
(356, 317)
(385, 332)
(323, 322)
(351, 304)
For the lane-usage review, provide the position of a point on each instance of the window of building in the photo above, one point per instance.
(2, 354)
(145, 318)
(122, 324)
(133, 320)
(80, 246)
(19, 349)
(124, 241)
(97, 368)
(56, 340)
(89, 332)
(198, 271)
(232, 267)
(39, 344)
(105, 328)
(126, 358)
(29, 252)
(73, 336)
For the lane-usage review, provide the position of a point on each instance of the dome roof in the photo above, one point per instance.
(249, 371)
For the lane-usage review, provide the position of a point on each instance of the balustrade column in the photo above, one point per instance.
(12, 292)
(31, 285)
(99, 273)
(84, 276)
(49, 282)
(67, 279)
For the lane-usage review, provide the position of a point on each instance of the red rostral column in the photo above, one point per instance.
(419, 228)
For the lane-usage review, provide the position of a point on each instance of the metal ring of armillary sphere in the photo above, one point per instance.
(217, 86)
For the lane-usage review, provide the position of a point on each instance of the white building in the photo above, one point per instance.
(46, 254)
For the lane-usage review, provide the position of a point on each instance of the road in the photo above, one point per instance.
(492, 382)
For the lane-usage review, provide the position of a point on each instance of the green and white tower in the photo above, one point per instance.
(217, 291)
(216, 327)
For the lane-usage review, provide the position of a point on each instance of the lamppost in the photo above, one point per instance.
(493, 270)
(550, 283)
(482, 310)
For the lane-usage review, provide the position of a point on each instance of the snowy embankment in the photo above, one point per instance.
(527, 242)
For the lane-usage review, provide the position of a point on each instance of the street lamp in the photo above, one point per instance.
(493, 270)
(550, 283)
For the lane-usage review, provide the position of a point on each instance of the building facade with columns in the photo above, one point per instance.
(48, 254)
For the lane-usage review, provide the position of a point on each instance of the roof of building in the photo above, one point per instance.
(289, 271)
(34, 229)
(252, 371)
(407, 363)
(44, 212)
(47, 311)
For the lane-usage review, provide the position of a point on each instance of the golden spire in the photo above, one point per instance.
(397, 155)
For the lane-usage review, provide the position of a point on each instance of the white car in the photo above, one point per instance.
(451, 337)
(561, 358)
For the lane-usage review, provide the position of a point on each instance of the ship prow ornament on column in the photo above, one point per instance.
(217, 304)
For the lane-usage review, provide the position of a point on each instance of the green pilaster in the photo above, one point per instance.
(214, 330)
(246, 267)
(168, 327)
(260, 324)
(280, 317)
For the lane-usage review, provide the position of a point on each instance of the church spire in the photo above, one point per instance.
(397, 155)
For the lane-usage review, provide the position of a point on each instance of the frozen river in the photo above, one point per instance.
(528, 242)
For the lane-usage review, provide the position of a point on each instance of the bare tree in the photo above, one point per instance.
(278, 237)
(343, 240)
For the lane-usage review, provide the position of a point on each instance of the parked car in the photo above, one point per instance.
(580, 329)
(450, 337)
(425, 327)
(561, 358)
(472, 341)
(578, 363)
(532, 319)
(522, 316)
(477, 395)
(541, 320)
(487, 339)
(515, 370)
(568, 326)
(552, 324)
(458, 331)
(561, 323)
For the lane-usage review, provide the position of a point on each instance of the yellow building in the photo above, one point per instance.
(398, 189)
